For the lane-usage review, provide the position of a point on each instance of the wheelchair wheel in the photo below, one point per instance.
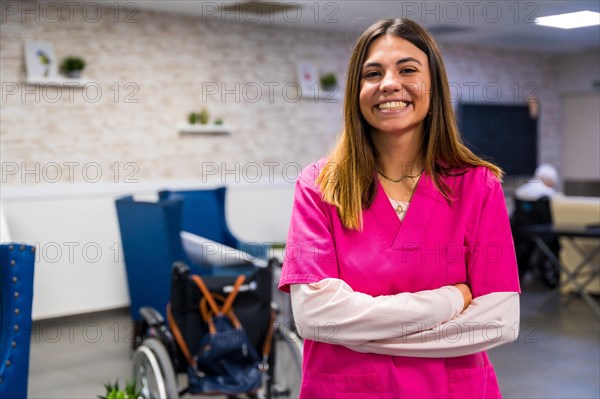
(287, 369)
(153, 371)
(550, 274)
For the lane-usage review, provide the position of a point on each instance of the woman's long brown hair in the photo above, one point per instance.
(348, 179)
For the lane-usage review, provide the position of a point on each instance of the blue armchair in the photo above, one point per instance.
(151, 243)
(16, 290)
(203, 214)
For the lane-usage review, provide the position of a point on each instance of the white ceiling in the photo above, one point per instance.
(498, 24)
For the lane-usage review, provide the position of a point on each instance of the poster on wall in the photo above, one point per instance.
(308, 79)
(40, 61)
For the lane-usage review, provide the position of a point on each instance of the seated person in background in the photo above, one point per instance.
(543, 184)
(532, 207)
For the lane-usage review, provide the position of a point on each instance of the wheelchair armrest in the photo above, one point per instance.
(152, 316)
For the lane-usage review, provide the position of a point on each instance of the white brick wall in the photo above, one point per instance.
(163, 61)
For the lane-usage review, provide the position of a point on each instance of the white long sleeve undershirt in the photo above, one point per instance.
(423, 324)
(331, 304)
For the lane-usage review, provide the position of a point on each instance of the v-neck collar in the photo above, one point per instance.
(409, 231)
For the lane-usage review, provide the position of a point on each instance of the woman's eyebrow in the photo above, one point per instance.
(400, 61)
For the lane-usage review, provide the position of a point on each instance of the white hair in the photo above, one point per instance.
(547, 174)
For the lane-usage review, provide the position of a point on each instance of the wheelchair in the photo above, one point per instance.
(161, 362)
(529, 256)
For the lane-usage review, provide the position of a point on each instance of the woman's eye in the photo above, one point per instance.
(371, 74)
(408, 70)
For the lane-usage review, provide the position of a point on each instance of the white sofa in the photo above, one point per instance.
(577, 211)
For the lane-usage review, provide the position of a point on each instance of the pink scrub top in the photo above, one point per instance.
(437, 244)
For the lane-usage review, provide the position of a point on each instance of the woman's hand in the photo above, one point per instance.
(466, 292)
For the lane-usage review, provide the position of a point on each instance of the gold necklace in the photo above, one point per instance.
(402, 206)
(400, 180)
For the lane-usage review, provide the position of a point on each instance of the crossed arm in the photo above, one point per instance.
(435, 323)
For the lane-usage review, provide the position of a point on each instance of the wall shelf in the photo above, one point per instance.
(58, 81)
(186, 128)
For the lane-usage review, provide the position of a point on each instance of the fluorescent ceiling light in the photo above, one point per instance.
(570, 20)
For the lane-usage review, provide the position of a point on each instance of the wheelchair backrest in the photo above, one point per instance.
(529, 213)
(252, 305)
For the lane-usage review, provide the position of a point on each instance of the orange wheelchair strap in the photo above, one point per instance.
(211, 300)
(233, 294)
(179, 337)
(206, 293)
(269, 337)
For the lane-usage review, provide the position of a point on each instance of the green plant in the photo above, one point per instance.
(192, 118)
(72, 63)
(203, 116)
(328, 81)
(218, 121)
(114, 392)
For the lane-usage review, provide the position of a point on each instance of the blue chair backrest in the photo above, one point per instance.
(151, 243)
(16, 290)
(204, 214)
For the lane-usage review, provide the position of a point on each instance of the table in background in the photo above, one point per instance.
(540, 232)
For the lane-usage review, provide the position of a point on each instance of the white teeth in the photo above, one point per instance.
(393, 105)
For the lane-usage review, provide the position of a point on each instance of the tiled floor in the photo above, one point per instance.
(73, 357)
(557, 354)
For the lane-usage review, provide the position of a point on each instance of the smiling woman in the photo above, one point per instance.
(392, 301)
(395, 87)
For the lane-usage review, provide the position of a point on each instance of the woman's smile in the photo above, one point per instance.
(392, 105)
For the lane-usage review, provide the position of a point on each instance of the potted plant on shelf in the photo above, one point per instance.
(203, 116)
(72, 66)
(328, 82)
